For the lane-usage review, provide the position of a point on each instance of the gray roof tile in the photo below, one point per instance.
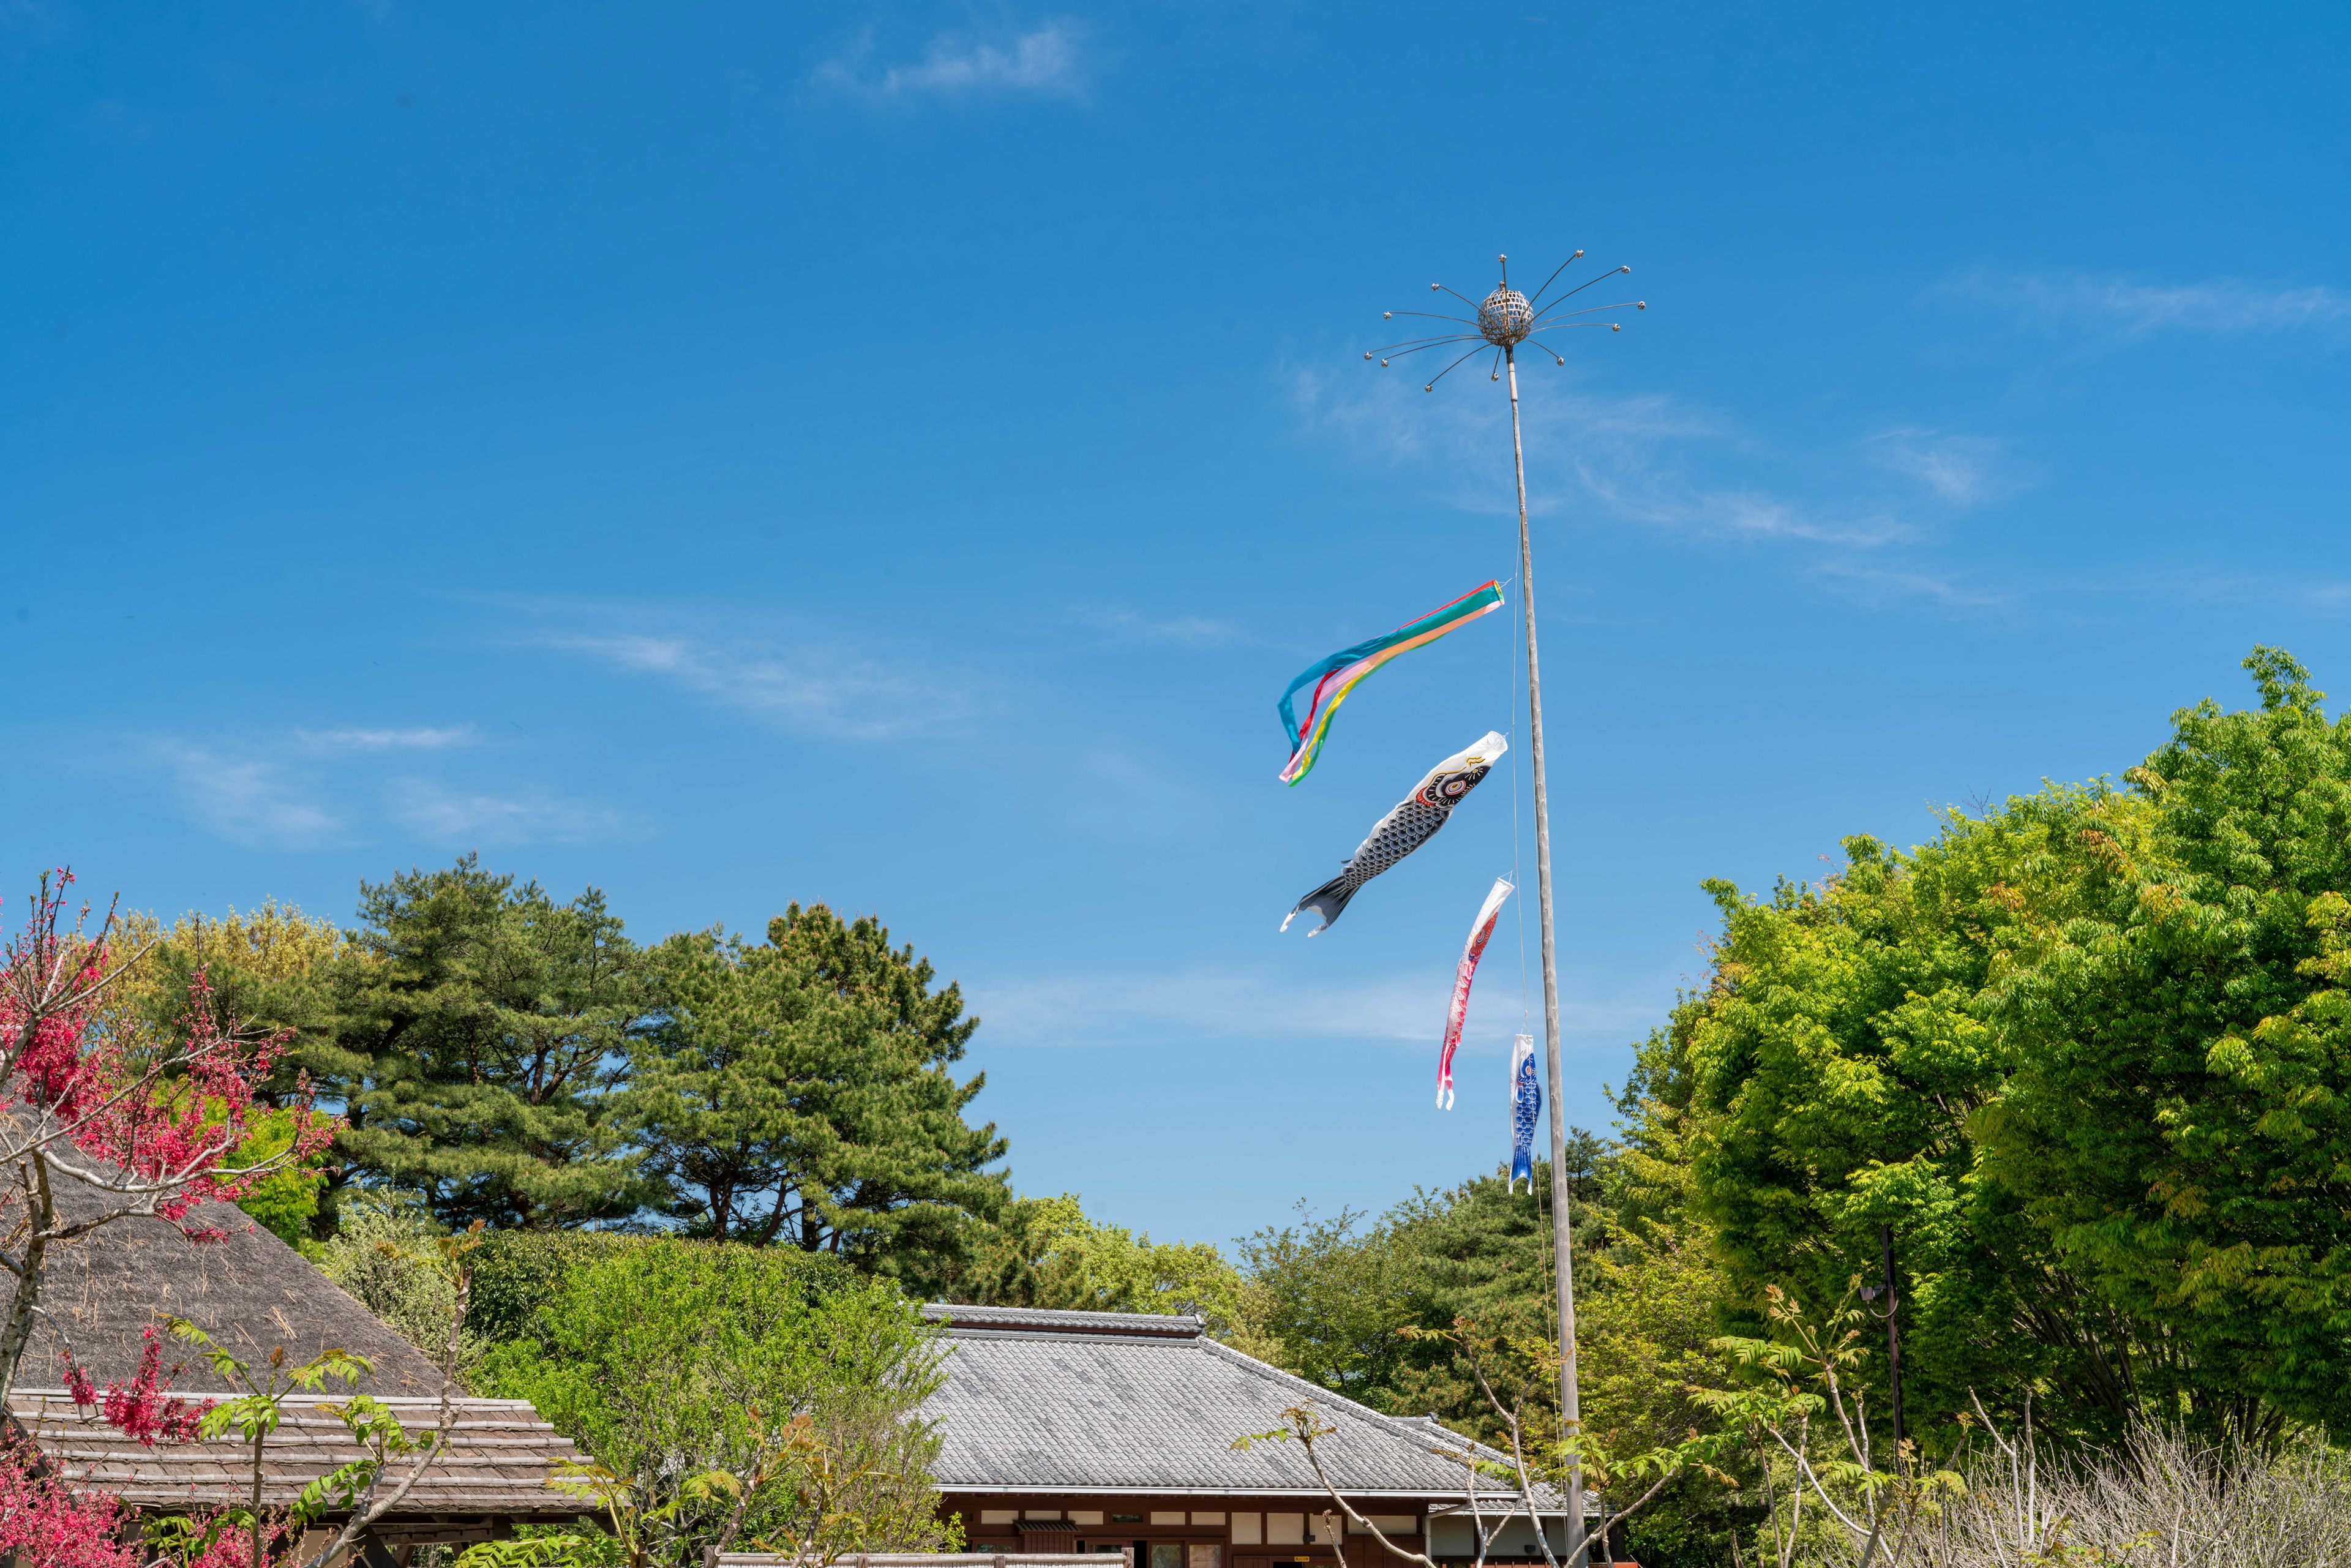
(1040, 1400)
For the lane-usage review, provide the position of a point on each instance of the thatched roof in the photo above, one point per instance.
(251, 1292)
(500, 1457)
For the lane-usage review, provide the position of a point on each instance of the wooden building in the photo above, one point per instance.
(1090, 1432)
(252, 1293)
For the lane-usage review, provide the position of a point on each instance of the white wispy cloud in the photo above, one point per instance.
(251, 799)
(434, 811)
(1879, 585)
(1960, 469)
(361, 737)
(820, 689)
(1048, 60)
(1157, 1008)
(1630, 453)
(311, 789)
(2131, 309)
(1189, 630)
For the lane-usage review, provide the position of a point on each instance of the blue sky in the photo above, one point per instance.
(895, 456)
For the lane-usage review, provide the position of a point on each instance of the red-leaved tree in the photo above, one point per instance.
(149, 1127)
(44, 1520)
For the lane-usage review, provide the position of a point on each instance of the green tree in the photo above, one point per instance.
(2086, 1053)
(1330, 1299)
(271, 968)
(799, 1093)
(737, 1395)
(2179, 1118)
(1833, 1076)
(1047, 1253)
(482, 1030)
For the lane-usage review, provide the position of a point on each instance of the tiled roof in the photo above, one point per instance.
(1045, 1401)
(1037, 1320)
(500, 1457)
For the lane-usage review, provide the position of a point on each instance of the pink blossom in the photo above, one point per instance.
(141, 1408)
(43, 1521)
(176, 1121)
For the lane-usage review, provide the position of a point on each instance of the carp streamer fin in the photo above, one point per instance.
(1333, 678)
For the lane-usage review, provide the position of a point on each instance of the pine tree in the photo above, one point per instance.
(482, 1031)
(799, 1094)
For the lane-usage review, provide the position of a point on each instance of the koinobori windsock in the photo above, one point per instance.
(1526, 1104)
(1333, 677)
(1412, 824)
(1480, 930)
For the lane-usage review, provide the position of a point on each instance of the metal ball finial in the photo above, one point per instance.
(1504, 318)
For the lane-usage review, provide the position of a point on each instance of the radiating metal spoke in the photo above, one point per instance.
(1448, 370)
(1398, 351)
(1613, 272)
(1591, 309)
(1555, 271)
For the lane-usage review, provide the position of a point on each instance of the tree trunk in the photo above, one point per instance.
(27, 1299)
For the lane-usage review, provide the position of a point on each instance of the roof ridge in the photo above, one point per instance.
(1413, 1428)
(1154, 1325)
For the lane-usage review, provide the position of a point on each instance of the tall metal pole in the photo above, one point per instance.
(1569, 1404)
(1893, 1334)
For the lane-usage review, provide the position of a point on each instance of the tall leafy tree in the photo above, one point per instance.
(2089, 1054)
(1049, 1252)
(1838, 1073)
(800, 1092)
(483, 1029)
(2180, 1119)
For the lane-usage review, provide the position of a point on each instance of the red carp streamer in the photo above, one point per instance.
(1483, 928)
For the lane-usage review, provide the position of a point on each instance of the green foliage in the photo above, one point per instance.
(517, 1272)
(2087, 1053)
(1831, 1079)
(383, 1255)
(731, 1393)
(1351, 1305)
(1046, 1252)
(2176, 1120)
(480, 1034)
(271, 968)
(253, 1413)
(798, 1092)
(285, 1202)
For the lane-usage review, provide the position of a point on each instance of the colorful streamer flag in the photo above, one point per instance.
(1526, 1104)
(1479, 930)
(1342, 671)
(1412, 824)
